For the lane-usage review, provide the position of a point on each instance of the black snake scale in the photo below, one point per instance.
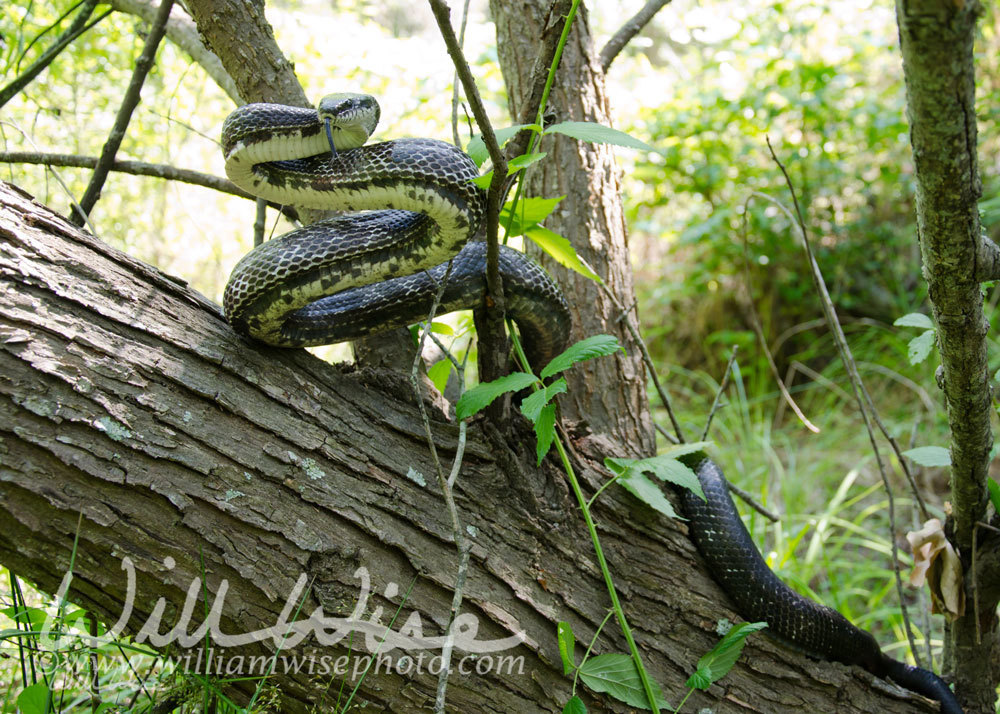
(352, 275)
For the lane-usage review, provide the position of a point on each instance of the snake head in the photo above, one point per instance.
(349, 119)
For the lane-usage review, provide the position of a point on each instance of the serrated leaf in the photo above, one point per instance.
(597, 134)
(560, 250)
(920, 346)
(717, 662)
(915, 319)
(532, 405)
(545, 430)
(589, 348)
(616, 675)
(482, 395)
(575, 705)
(665, 468)
(438, 374)
(929, 456)
(994, 489)
(647, 491)
(567, 645)
(33, 699)
(476, 147)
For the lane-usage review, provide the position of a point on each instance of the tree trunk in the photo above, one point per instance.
(936, 40)
(136, 420)
(609, 396)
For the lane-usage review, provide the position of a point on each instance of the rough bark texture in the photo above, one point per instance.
(936, 39)
(609, 395)
(129, 403)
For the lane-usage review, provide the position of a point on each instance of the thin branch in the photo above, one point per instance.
(129, 103)
(860, 393)
(758, 330)
(77, 28)
(648, 360)
(454, 83)
(140, 168)
(630, 29)
(493, 336)
(716, 402)
(449, 499)
(37, 38)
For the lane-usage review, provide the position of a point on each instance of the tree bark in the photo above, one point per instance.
(608, 395)
(131, 406)
(936, 40)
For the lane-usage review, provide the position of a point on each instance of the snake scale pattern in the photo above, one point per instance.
(348, 276)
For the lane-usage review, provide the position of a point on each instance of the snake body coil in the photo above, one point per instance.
(344, 277)
(348, 276)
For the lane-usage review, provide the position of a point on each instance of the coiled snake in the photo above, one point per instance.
(348, 276)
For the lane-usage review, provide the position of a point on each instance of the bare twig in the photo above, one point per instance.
(129, 103)
(445, 483)
(493, 336)
(140, 168)
(719, 392)
(860, 393)
(630, 29)
(748, 499)
(77, 28)
(454, 84)
(758, 330)
(634, 331)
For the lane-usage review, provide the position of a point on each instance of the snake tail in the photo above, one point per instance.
(759, 595)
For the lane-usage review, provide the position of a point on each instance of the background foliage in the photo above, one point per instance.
(704, 84)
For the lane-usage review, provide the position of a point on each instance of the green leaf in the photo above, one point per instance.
(482, 395)
(438, 374)
(720, 659)
(575, 705)
(597, 134)
(915, 319)
(560, 249)
(527, 214)
(477, 147)
(442, 328)
(567, 645)
(483, 181)
(664, 466)
(994, 489)
(920, 346)
(525, 160)
(531, 407)
(34, 699)
(929, 456)
(589, 348)
(616, 674)
(545, 430)
(647, 491)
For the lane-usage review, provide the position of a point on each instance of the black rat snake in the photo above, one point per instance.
(348, 276)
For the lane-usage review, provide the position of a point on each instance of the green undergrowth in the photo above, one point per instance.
(832, 542)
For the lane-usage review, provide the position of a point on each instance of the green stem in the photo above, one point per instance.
(647, 685)
(536, 133)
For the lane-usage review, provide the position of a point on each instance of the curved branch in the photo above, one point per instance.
(630, 29)
(141, 168)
